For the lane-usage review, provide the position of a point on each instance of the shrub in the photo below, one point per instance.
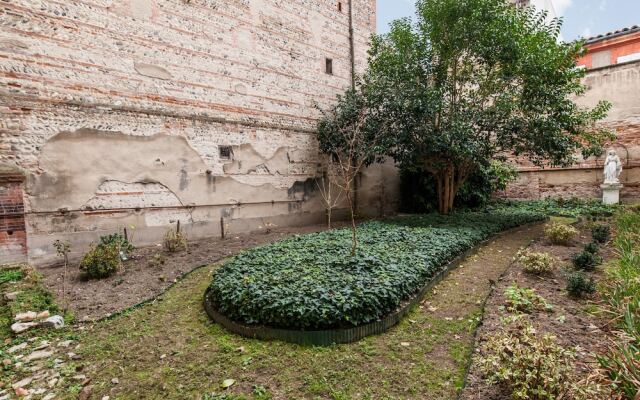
(592, 248)
(586, 261)
(534, 367)
(10, 275)
(310, 282)
(573, 207)
(101, 261)
(118, 239)
(578, 284)
(157, 260)
(525, 300)
(601, 233)
(535, 263)
(561, 234)
(174, 241)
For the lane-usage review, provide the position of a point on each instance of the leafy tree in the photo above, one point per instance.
(349, 135)
(475, 80)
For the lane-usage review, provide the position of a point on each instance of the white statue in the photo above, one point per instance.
(612, 168)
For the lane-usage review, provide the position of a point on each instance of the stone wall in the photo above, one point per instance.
(618, 84)
(142, 113)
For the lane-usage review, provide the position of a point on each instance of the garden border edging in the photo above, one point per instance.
(328, 337)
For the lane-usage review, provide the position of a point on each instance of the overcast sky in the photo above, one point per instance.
(581, 17)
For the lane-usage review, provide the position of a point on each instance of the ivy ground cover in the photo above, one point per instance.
(311, 282)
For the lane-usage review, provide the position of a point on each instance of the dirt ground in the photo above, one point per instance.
(142, 279)
(571, 321)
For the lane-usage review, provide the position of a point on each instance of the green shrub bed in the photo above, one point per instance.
(311, 282)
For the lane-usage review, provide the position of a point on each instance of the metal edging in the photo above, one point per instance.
(345, 335)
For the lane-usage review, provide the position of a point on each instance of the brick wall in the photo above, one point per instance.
(13, 238)
(118, 112)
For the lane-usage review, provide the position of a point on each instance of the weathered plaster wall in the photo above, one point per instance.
(116, 112)
(618, 84)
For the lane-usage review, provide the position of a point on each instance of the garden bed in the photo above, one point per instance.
(572, 321)
(311, 283)
(143, 278)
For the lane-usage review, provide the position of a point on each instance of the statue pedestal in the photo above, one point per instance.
(611, 193)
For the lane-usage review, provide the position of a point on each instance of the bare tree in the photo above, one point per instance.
(348, 135)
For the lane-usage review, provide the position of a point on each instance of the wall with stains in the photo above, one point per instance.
(619, 85)
(122, 114)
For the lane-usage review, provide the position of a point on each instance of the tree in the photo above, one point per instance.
(476, 80)
(349, 135)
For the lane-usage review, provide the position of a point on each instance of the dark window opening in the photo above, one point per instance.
(226, 153)
(340, 6)
(9, 233)
(329, 66)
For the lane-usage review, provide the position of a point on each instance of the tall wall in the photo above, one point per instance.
(618, 84)
(140, 113)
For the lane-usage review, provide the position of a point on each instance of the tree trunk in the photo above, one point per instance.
(448, 181)
(354, 233)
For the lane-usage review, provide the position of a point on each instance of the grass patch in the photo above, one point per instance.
(170, 349)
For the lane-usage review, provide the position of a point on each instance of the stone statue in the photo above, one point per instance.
(612, 168)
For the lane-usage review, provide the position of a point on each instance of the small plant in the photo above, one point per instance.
(10, 275)
(101, 261)
(592, 248)
(535, 263)
(601, 233)
(534, 367)
(560, 234)
(586, 261)
(578, 284)
(157, 260)
(174, 241)
(525, 300)
(63, 249)
(123, 244)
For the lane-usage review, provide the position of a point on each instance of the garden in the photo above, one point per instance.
(463, 296)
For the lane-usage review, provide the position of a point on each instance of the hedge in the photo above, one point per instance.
(311, 282)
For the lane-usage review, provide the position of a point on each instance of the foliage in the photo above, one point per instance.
(536, 263)
(578, 284)
(601, 233)
(525, 300)
(174, 241)
(472, 80)
(586, 261)
(621, 295)
(573, 207)
(10, 275)
(535, 367)
(592, 248)
(101, 261)
(306, 282)
(559, 233)
(125, 246)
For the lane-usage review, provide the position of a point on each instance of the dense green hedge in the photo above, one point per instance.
(572, 207)
(311, 282)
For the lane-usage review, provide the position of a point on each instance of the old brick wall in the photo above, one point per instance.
(140, 113)
(618, 84)
(13, 237)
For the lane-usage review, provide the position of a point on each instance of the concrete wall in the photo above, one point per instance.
(120, 114)
(618, 84)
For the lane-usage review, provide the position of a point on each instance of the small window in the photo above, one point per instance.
(329, 66)
(226, 153)
(339, 6)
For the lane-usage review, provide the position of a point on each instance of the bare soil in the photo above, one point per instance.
(143, 278)
(571, 321)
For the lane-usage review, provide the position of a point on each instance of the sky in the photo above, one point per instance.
(582, 18)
